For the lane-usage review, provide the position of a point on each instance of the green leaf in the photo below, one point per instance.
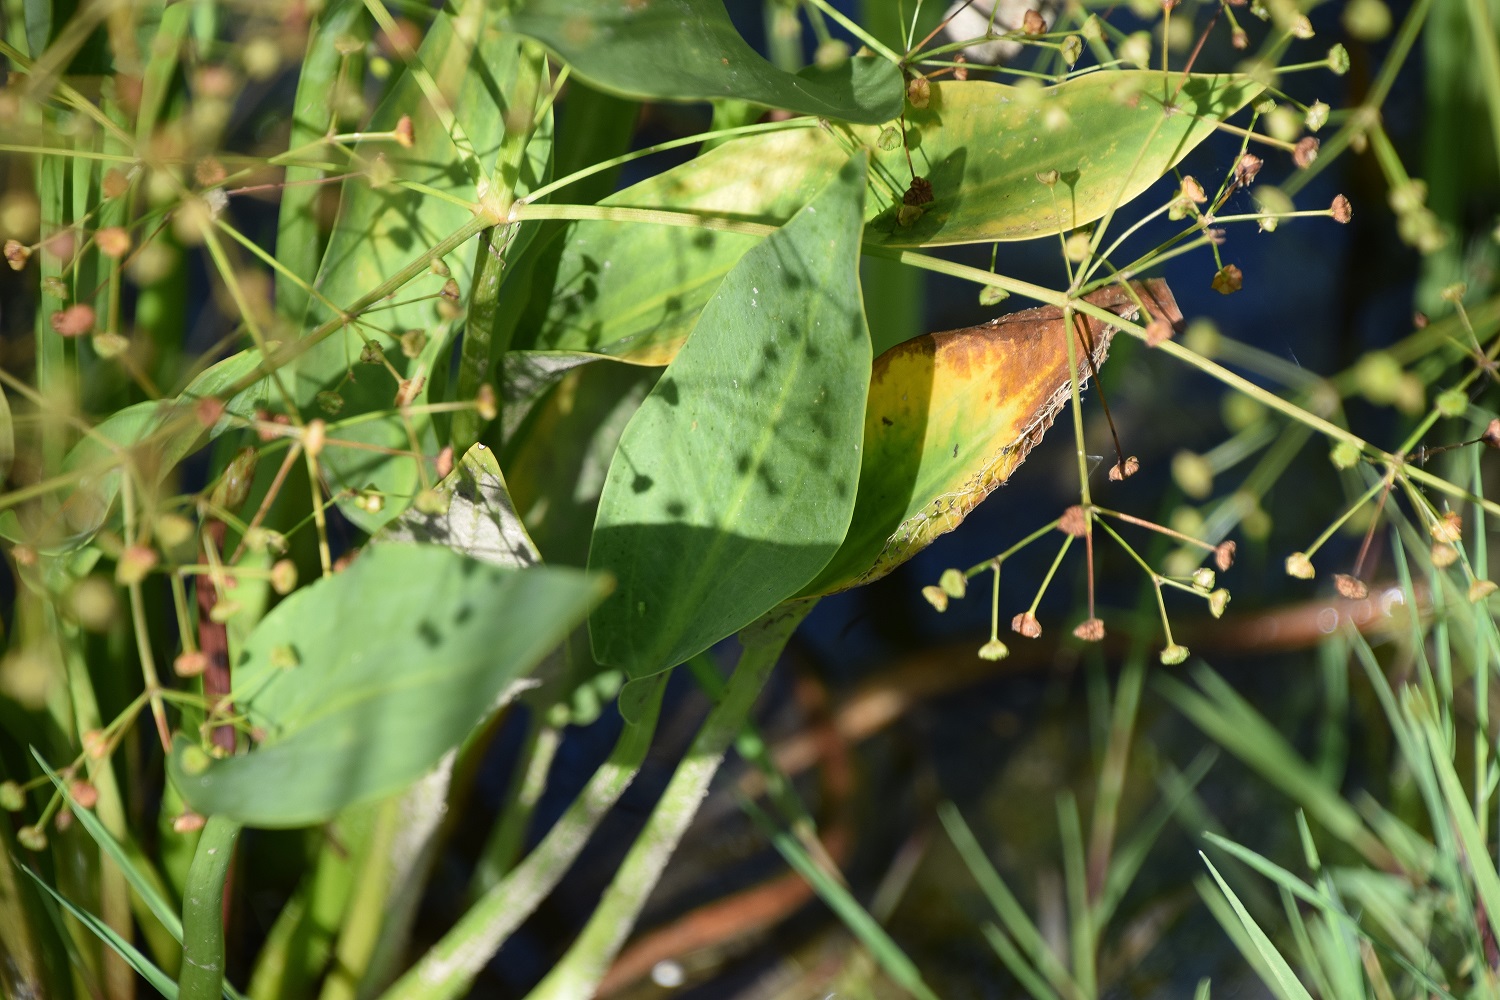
(478, 519)
(380, 229)
(349, 714)
(633, 291)
(147, 884)
(832, 890)
(159, 980)
(299, 237)
(981, 145)
(951, 416)
(688, 50)
(734, 482)
(1282, 980)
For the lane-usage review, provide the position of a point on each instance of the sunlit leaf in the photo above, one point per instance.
(477, 519)
(382, 226)
(346, 715)
(981, 145)
(689, 50)
(951, 415)
(734, 482)
(633, 291)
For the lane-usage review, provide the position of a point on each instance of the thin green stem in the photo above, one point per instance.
(692, 140)
(579, 971)
(875, 45)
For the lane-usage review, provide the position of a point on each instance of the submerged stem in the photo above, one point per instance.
(581, 969)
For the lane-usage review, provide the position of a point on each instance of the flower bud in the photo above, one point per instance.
(937, 597)
(12, 796)
(954, 583)
(993, 650)
(1299, 566)
(1174, 654)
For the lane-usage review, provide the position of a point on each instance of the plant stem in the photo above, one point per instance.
(449, 967)
(581, 969)
(477, 348)
(202, 976)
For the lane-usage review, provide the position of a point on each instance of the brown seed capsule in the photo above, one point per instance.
(1480, 589)
(403, 133)
(960, 72)
(1228, 280)
(444, 462)
(1158, 331)
(1341, 209)
(95, 744)
(1193, 191)
(208, 410)
(188, 822)
(1448, 528)
(209, 172)
(1073, 522)
(1026, 624)
(1305, 152)
(1239, 38)
(409, 389)
(1090, 630)
(74, 321)
(190, 663)
(1351, 587)
(84, 794)
(413, 343)
(135, 562)
(1033, 23)
(450, 290)
(919, 193)
(1246, 169)
(919, 92)
(16, 254)
(1224, 556)
(1444, 555)
(1491, 435)
(1131, 466)
(115, 183)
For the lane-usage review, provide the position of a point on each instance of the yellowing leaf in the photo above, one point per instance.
(950, 417)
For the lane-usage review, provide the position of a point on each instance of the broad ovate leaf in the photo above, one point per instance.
(357, 684)
(734, 482)
(689, 50)
(981, 145)
(633, 291)
(951, 415)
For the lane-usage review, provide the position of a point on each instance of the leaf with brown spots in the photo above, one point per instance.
(950, 417)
